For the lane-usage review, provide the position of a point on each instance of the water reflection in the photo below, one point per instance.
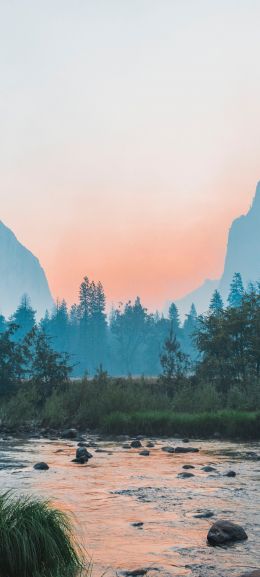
(119, 488)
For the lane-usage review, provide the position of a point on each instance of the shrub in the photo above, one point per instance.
(36, 540)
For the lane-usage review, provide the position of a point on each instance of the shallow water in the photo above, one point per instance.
(119, 487)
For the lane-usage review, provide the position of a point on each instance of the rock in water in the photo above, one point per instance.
(69, 434)
(145, 453)
(225, 532)
(21, 273)
(41, 466)
(168, 449)
(185, 475)
(82, 455)
(231, 474)
(136, 444)
(186, 450)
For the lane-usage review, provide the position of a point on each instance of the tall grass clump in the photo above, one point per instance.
(36, 539)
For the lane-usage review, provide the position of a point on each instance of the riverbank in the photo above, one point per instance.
(225, 425)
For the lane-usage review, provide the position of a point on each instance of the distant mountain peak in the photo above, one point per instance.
(20, 273)
(242, 255)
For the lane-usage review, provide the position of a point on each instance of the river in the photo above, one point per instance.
(119, 487)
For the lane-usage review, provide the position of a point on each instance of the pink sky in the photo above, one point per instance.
(130, 138)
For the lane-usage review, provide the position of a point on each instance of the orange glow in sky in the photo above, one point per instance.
(130, 138)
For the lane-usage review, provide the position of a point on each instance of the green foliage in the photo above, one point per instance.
(174, 364)
(36, 540)
(229, 424)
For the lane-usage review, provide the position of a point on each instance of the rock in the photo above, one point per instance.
(185, 440)
(185, 475)
(188, 467)
(138, 524)
(82, 444)
(150, 444)
(208, 469)
(204, 515)
(168, 449)
(82, 455)
(79, 461)
(231, 474)
(41, 466)
(145, 453)
(126, 446)
(225, 532)
(136, 444)
(186, 450)
(69, 434)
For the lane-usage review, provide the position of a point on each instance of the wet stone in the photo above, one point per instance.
(231, 474)
(41, 466)
(185, 475)
(208, 469)
(203, 515)
(136, 444)
(186, 450)
(188, 467)
(144, 453)
(225, 532)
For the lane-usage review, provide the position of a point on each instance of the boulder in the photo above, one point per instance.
(185, 475)
(225, 532)
(69, 434)
(82, 455)
(150, 444)
(41, 466)
(138, 524)
(145, 453)
(168, 449)
(186, 450)
(136, 444)
(231, 474)
(203, 515)
(188, 467)
(185, 440)
(208, 469)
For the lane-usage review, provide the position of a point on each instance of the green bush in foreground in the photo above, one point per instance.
(36, 540)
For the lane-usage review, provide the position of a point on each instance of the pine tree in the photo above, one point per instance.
(216, 304)
(173, 362)
(236, 291)
(174, 318)
(23, 318)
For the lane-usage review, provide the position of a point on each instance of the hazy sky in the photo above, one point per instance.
(129, 137)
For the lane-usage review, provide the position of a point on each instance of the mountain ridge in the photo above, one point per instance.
(242, 255)
(21, 273)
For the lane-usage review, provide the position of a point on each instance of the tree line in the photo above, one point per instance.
(128, 340)
(220, 349)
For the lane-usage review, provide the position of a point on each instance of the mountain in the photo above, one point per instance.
(242, 255)
(21, 273)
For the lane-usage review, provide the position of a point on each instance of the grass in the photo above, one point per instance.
(229, 424)
(36, 540)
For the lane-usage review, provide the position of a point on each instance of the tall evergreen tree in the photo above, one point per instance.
(216, 304)
(174, 318)
(23, 318)
(236, 291)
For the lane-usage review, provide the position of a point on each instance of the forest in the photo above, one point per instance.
(134, 371)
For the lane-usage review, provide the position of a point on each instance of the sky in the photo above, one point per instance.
(129, 138)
